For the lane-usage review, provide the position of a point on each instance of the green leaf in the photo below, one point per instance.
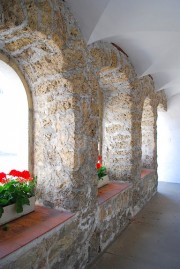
(25, 200)
(4, 202)
(20, 201)
(19, 206)
(102, 172)
(1, 189)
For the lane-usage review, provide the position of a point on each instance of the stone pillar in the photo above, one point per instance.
(117, 137)
(148, 136)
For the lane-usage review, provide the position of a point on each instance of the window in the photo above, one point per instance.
(13, 121)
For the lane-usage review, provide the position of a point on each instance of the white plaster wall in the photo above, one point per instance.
(168, 127)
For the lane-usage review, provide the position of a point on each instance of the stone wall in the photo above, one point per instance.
(122, 107)
(46, 45)
(147, 129)
(59, 247)
(143, 190)
(78, 95)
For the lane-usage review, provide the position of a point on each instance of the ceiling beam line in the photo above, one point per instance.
(121, 50)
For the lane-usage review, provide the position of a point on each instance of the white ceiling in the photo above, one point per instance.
(148, 31)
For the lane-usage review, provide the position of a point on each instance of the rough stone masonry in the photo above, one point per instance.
(78, 96)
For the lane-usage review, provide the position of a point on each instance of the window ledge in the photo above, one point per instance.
(110, 190)
(27, 228)
(145, 172)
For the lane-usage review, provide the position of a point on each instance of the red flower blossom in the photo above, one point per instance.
(23, 176)
(26, 175)
(99, 158)
(98, 165)
(3, 178)
(15, 173)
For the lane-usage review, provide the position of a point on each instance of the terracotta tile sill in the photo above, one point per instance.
(145, 172)
(108, 191)
(29, 227)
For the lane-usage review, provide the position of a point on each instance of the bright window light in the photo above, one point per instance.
(13, 121)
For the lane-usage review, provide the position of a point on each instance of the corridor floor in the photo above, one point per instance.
(152, 240)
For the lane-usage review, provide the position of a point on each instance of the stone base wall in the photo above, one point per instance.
(59, 248)
(74, 244)
(71, 245)
(143, 190)
(112, 217)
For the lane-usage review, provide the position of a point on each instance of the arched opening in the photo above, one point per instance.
(115, 110)
(116, 122)
(14, 137)
(148, 141)
(168, 145)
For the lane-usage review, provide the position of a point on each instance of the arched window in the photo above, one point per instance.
(13, 121)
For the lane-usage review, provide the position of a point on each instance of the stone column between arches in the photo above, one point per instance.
(117, 150)
(148, 129)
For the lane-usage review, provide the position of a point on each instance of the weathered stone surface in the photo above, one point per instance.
(13, 12)
(143, 191)
(118, 210)
(81, 96)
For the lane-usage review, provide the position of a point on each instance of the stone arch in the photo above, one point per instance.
(47, 47)
(116, 76)
(149, 100)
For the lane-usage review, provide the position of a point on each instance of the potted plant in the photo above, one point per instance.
(103, 178)
(17, 195)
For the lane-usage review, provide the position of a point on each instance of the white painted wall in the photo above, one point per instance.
(168, 126)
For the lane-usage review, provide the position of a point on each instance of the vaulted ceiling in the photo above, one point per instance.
(148, 31)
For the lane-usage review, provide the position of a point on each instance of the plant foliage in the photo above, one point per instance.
(101, 170)
(16, 188)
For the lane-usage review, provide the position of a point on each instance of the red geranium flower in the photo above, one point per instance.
(26, 175)
(3, 178)
(99, 158)
(23, 176)
(15, 173)
(98, 165)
